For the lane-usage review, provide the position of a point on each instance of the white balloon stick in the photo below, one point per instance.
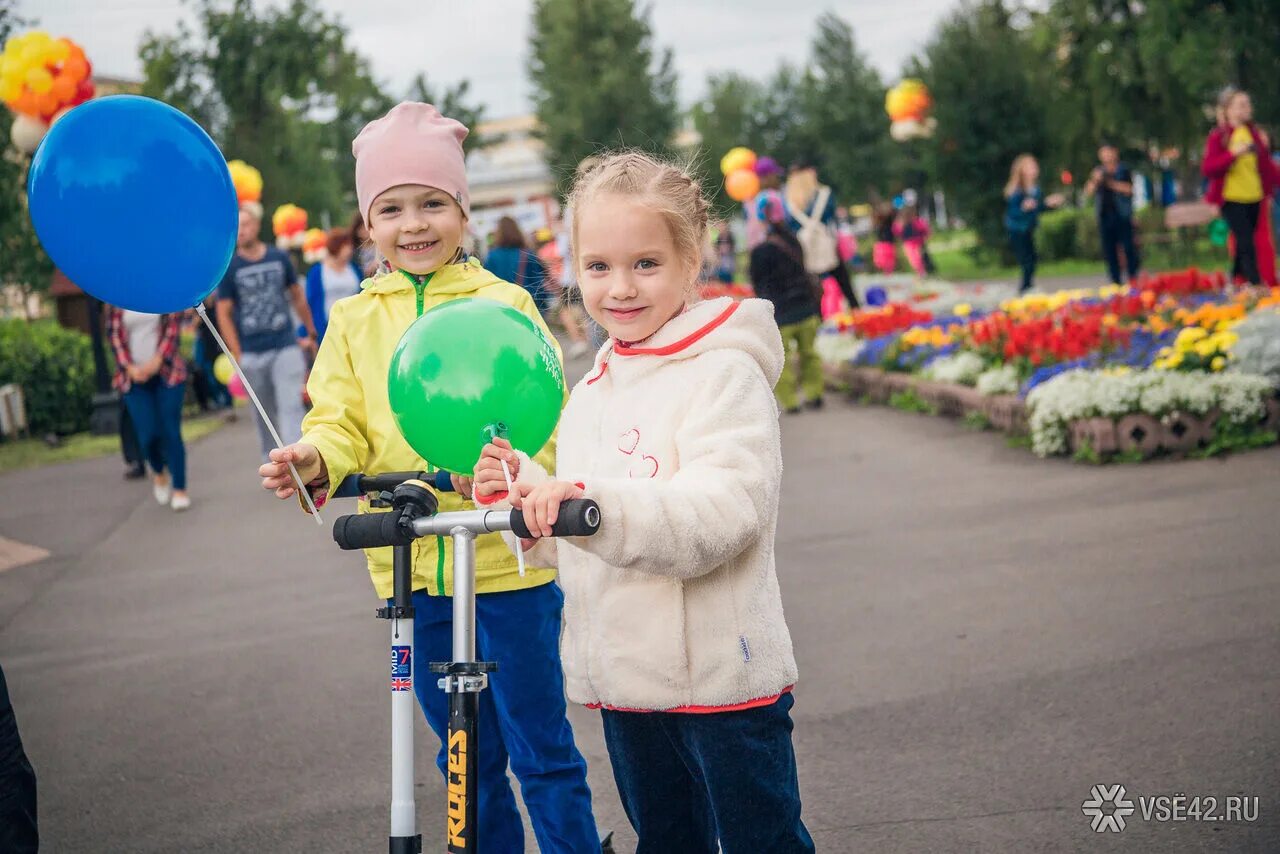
(506, 472)
(253, 395)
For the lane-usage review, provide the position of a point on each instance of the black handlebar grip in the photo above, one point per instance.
(578, 518)
(369, 531)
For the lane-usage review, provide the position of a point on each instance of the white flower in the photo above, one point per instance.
(962, 368)
(999, 380)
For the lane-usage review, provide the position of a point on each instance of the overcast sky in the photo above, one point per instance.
(485, 40)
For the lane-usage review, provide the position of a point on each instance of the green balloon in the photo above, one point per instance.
(470, 369)
(1218, 231)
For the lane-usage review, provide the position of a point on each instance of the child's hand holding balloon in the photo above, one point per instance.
(489, 477)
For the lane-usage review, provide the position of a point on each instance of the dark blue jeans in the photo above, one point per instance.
(688, 780)
(1116, 234)
(522, 718)
(1023, 244)
(19, 833)
(156, 410)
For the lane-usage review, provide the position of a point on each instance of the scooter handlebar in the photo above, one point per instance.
(578, 518)
(370, 531)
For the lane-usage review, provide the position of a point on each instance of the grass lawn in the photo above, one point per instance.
(950, 251)
(30, 453)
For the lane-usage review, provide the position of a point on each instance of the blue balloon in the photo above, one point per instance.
(876, 296)
(134, 203)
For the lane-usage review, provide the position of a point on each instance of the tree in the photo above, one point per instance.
(724, 118)
(978, 68)
(843, 101)
(279, 89)
(597, 81)
(23, 263)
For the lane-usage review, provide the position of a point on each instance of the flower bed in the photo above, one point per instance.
(1191, 365)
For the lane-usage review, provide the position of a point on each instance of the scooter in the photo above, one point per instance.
(412, 514)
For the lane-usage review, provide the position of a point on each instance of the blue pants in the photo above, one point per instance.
(522, 718)
(1023, 244)
(156, 410)
(218, 394)
(687, 780)
(1116, 234)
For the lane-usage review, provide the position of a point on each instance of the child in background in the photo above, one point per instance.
(912, 230)
(884, 255)
(412, 188)
(778, 275)
(673, 619)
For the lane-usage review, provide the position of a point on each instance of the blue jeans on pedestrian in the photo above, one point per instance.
(687, 780)
(218, 394)
(521, 719)
(1023, 244)
(156, 411)
(1116, 233)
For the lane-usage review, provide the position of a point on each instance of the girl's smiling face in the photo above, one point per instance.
(632, 277)
(417, 229)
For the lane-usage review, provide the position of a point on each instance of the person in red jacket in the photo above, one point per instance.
(1237, 162)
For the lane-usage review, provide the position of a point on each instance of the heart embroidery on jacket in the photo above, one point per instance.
(629, 441)
(646, 466)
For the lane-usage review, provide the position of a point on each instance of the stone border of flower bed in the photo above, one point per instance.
(1005, 412)
(1135, 435)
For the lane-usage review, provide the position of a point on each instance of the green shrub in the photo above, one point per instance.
(54, 366)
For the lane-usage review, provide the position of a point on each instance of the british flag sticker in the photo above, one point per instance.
(401, 668)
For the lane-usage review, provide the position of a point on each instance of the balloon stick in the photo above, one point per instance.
(253, 395)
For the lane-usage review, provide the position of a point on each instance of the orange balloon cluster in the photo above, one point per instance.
(246, 180)
(41, 76)
(313, 244)
(288, 223)
(910, 99)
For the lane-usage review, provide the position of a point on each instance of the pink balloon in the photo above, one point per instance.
(236, 387)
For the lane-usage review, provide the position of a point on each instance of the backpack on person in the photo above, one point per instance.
(817, 239)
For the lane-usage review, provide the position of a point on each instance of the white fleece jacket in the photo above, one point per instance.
(675, 601)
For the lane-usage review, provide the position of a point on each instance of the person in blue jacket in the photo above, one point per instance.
(335, 277)
(510, 260)
(1024, 202)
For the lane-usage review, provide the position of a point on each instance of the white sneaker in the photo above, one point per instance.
(181, 501)
(578, 349)
(162, 491)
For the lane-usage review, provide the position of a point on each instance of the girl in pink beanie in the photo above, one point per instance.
(411, 184)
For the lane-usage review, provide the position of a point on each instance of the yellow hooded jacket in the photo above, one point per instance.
(352, 426)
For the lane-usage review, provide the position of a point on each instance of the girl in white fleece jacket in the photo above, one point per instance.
(673, 618)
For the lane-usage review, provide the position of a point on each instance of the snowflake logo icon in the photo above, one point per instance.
(1107, 806)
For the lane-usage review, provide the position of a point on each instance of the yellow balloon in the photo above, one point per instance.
(739, 157)
(222, 370)
(39, 80)
(9, 90)
(59, 51)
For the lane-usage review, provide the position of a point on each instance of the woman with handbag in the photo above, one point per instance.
(811, 214)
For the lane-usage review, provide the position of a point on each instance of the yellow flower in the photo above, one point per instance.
(1189, 336)
(1174, 361)
(962, 310)
(1206, 348)
(1218, 363)
(1227, 340)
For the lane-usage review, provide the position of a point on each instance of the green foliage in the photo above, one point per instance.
(1133, 455)
(277, 87)
(987, 108)
(830, 110)
(54, 366)
(908, 400)
(598, 81)
(975, 420)
(452, 102)
(1231, 436)
(1086, 454)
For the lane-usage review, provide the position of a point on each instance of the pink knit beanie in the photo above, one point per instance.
(412, 144)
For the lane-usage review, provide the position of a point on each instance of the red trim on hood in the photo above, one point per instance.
(688, 341)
